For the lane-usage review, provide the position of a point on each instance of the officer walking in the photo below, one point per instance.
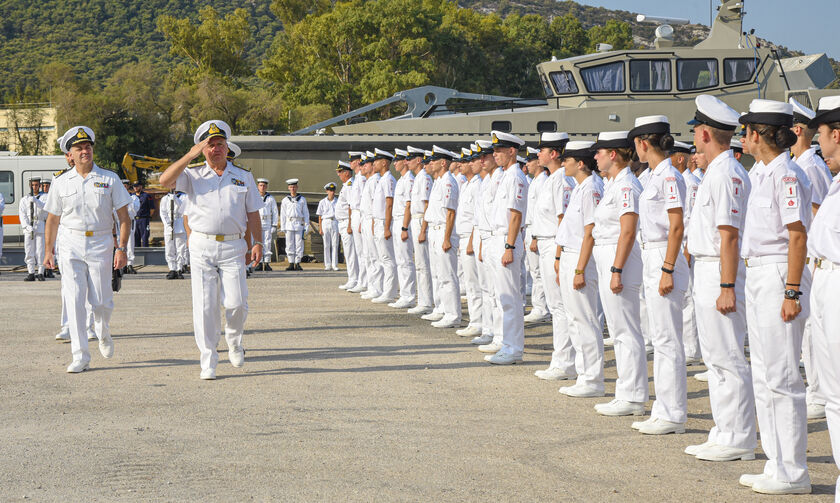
(174, 233)
(83, 201)
(345, 230)
(144, 215)
(268, 220)
(222, 238)
(30, 212)
(294, 222)
(328, 227)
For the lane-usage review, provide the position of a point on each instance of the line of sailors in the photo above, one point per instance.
(687, 260)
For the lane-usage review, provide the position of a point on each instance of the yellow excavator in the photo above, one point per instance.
(144, 168)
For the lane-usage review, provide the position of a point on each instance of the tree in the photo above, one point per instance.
(615, 33)
(293, 11)
(573, 37)
(26, 130)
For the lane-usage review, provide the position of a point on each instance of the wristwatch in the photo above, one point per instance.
(616, 269)
(792, 294)
(121, 248)
(509, 246)
(255, 243)
(405, 229)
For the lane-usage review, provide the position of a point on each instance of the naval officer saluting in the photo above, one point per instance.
(223, 213)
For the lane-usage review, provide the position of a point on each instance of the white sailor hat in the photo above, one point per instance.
(329, 186)
(292, 181)
(76, 135)
(368, 157)
(400, 154)
(343, 166)
(354, 154)
(262, 180)
(521, 160)
(532, 153)
(801, 113)
(735, 145)
(48, 181)
(382, 154)
(682, 147)
(233, 150)
(427, 156)
(35, 178)
(505, 140)
(442, 153)
(613, 139)
(828, 111)
(714, 113)
(770, 112)
(211, 129)
(414, 152)
(553, 140)
(650, 124)
(485, 147)
(579, 148)
(465, 154)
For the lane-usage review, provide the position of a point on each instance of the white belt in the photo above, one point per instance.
(484, 234)
(566, 249)
(438, 226)
(769, 259)
(706, 259)
(88, 234)
(606, 243)
(653, 245)
(826, 265)
(217, 237)
(541, 237)
(417, 216)
(327, 218)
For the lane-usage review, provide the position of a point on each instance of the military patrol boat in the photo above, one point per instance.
(584, 95)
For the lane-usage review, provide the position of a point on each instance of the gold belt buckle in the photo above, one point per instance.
(88, 234)
(818, 262)
(220, 237)
(747, 262)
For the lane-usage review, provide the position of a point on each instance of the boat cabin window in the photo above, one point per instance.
(648, 75)
(696, 74)
(7, 186)
(546, 127)
(546, 87)
(738, 70)
(564, 82)
(608, 78)
(503, 126)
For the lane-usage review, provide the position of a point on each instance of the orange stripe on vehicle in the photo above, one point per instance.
(11, 220)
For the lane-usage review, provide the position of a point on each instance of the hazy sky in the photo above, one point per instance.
(811, 26)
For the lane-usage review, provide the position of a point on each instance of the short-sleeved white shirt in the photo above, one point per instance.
(621, 196)
(219, 204)
(465, 216)
(366, 206)
(817, 172)
(357, 189)
(342, 205)
(721, 200)
(552, 201)
(384, 189)
(584, 200)
(644, 177)
(420, 192)
(402, 194)
(780, 196)
(326, 208)
(444, 196)
(486, 194)
(535, 185)
(824, 236)
(692, 183)
(665, 190)
(512, 194)
(87, 203)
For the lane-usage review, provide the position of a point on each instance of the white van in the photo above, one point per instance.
(15, 173)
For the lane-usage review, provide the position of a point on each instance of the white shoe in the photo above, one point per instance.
(691, 362)
(402, 304)
(638, 424)
(368, 295)
(769, 485)
(702, 376)
(724, 453)
(492, 347)
(208, 374)
(420, 310)
(482, 340)
(76, 367)
(382, 300)
(501, 358)
(748, 479)
(536, 317)
(661, 427)
(62, 337)
(106, 346)
(237, 356)
(609, 342)
(469, 331)
(648, 348)
(446, 323)
(356, 289)
(692, 450)
(582, 391)
(433, 316)
(553, 374)
(335, 268)
(816, 411)
(618, 407)
(91, 335)
(346, 286)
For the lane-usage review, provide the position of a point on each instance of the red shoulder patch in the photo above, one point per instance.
(737, 181)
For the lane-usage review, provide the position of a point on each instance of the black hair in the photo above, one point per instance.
(781, 137)
(589, 164)
(663, 142)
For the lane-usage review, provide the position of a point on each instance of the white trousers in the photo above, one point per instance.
(359, 248)
(86, 264)
(65, 322)
(386, 258)
(775, 348)
(175, 250)
(722, 343)
(813, 395)
(490, 309)
(445, 272)
(34, 249)
(294, 246)
(691, 343)
(563, 356)
(825, 337)
(507, 282)
(665, 323)
(330, 242)
(268, 244)
(129, 247)
(374, 267)
(472, 284)
(582, 311)
(623, 319)
(349, 246)
(218, 277)
(533, 264)
(404, 255)
(422, 265)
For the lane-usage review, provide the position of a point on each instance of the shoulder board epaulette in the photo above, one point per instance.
(59, 173)
(195, 165)
(240, 167)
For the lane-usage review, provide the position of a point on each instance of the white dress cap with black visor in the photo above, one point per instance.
(76, 135)
(466, 154)
(735, 145)
(329, 186)
(531, 153)
(553, 140)
(650, 124)
(382, 154)
(442, 153)
(343, 166)
(233, 150)
(506, 140)
(714, 113)
(354, 154)
(579, 149)
(681, 147)
(801, 113)
(211, 129)
(414, 152)
(400, 154)
(828, 111)
(613, 139)
(769, 112)
(521, 160)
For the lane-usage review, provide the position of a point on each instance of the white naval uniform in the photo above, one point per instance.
(691, 343)
(464, 227)
(355, 200)
(511, 195)
(217, 209)
(581, 306)
(2, 209)
(404, 250)
(374, 268)
(491, 309)
(824, 245)
(444, 264)
(342, 215)
(174, 233)
(133, 208)
(384, 189)
(621, 196)
(31, 211)
(420, 192)
(85, 206)
(780, 196)
(644, 177)
(294, 222)
(555, 192)
(269, 217)
(665, 190)
(539, 303)
(461, 179)
(721, 201)
(329, 228)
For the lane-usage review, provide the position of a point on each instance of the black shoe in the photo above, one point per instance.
(247, 273)
(179, 275)
(129, 269)
(57, 272)
(39, 277)
(186, 269)
(259, 267)
(298, 267)
(29, 277)
(291, 267)
(172, 275)
(267, 267)
(49, 274)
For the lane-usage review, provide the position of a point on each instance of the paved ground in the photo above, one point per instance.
(339, 400)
